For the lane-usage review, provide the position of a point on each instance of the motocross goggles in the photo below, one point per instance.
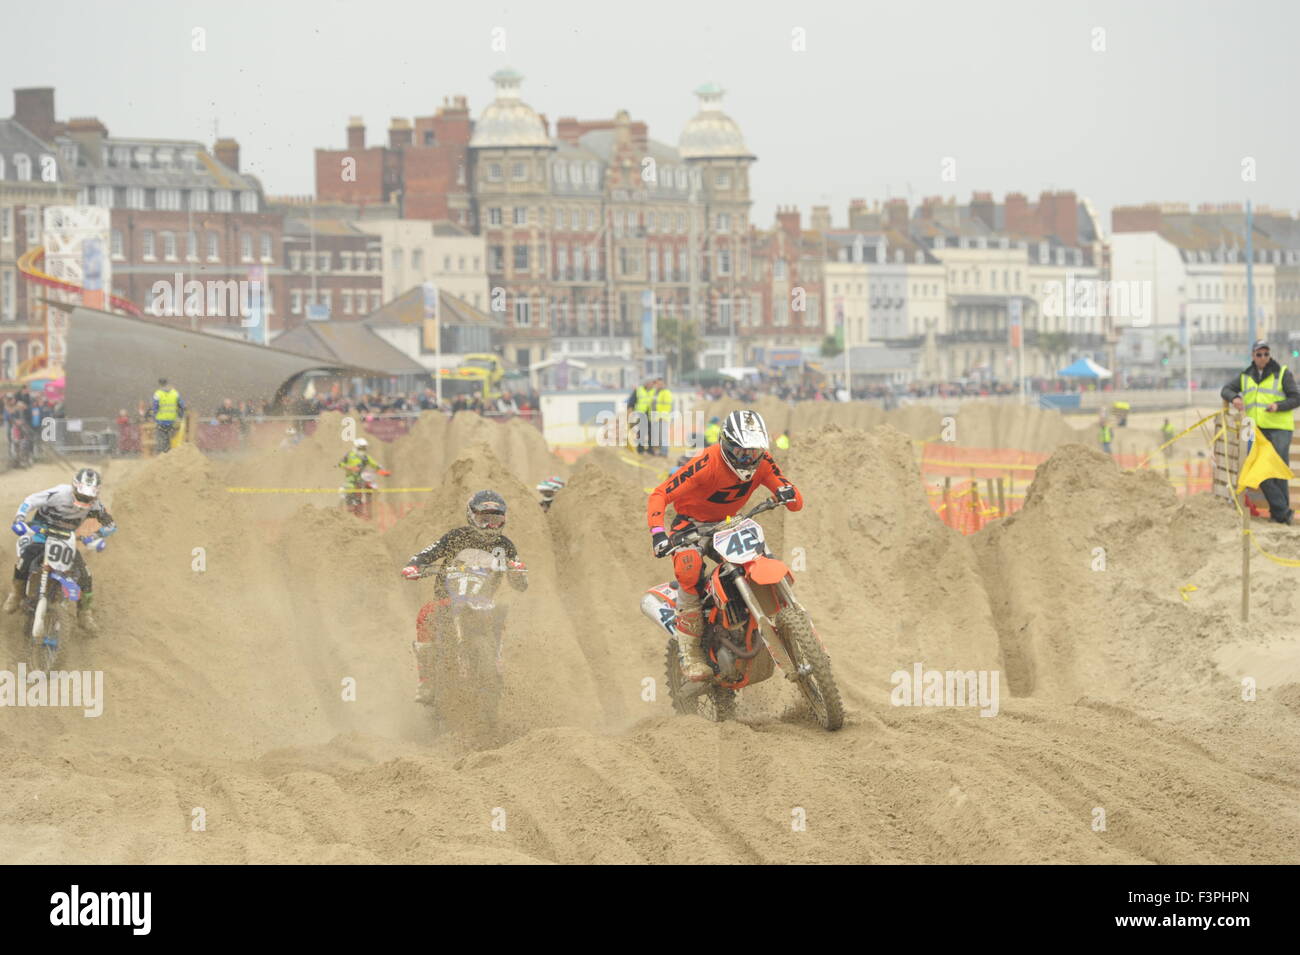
(742, 457)
(488, 519)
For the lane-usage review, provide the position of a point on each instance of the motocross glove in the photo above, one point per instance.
(411, 572)
(94, 543)
(785, 493)
(660, 542)
(105, 531)
(19, 528)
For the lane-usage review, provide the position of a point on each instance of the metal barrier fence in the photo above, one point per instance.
(107, 436)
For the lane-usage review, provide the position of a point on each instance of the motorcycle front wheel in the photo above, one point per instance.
(816, 682)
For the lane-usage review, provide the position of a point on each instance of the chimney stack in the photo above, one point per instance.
(34, 110)
(896, 214)
(226, 151)
(821, 218)
(356, 133)
(400, 133)
(1017, 217)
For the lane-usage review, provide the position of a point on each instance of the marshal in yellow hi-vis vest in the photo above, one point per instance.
(168, 404)
(642, 399)
(1257, 396)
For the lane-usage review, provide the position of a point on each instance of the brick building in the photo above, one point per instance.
(32, 177)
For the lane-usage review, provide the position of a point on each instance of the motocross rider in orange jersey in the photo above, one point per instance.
(713, 485)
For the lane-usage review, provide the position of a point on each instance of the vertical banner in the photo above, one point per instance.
(254, 305)
(1013, 318)
(92, 273)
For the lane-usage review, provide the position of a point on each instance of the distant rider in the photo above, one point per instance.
(356, 461)
(63, 507)
(486, 516)
(712, 486)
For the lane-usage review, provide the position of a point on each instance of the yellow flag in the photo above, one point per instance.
(1261, 464)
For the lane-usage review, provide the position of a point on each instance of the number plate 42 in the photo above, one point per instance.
(740, 544)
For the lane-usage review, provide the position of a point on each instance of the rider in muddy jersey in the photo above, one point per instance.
(460, 539)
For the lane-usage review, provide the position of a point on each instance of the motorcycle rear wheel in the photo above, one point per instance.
(818, 684)
(716, 704)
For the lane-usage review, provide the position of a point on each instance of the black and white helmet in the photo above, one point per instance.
(85, 486)
(743, 442)
(486, 511)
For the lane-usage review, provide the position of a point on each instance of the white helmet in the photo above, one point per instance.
(361, 444)
(85, 486)
(743, 442)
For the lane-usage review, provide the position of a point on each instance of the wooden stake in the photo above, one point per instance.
(948, 517)
(1002, 498)
(1245, 560)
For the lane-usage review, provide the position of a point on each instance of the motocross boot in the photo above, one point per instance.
(690, 630)
(424, 670)
(85, 616)
(16, 593)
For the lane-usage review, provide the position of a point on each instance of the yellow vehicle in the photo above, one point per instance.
(484, 361)
(468, 381)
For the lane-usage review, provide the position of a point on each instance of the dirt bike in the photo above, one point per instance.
(359, 500)
(467, 663)
(752, 624)
(52, 593)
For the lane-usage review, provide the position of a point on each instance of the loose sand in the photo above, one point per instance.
(1121, 690)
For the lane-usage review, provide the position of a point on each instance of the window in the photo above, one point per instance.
(779, 270)
(417, 259)
(169, 200)
(266, 247)
(323, 261)
(494, 216)
(221, 201)
(722, 180)
(519, 171)
(521, 215)
(169, 246)
(134, 197)
(397, 260)
(295, 301)
(681, 222)
(724, 261)
(496, 258)
(23, 167)
(347, 301)
(246, 247)
(104, 196)
(147, 244)
(523, 313)
(199, 200)
(654, 265)
(521, 258)
(192, 246)
(9, 360)
(591, 220)
(248, 201)
(214, 247)
(494, 171)
(6, 223)
(7, 295)
(345, 260)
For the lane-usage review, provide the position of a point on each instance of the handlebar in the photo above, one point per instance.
(695, 532)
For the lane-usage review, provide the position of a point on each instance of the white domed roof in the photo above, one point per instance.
(711, 133)
(508, 121)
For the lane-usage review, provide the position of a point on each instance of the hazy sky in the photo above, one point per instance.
(1014, 92)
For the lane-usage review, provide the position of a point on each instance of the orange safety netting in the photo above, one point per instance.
(971, 501)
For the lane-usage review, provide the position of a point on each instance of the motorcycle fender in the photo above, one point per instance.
(766, 571)
(765, 625)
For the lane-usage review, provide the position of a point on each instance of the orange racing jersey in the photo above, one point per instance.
(705, 489)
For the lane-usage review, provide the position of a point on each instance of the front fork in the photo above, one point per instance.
(780, 595)
(42, 605)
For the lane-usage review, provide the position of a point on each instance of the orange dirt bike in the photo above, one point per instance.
(752, 624)
(360, 500)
